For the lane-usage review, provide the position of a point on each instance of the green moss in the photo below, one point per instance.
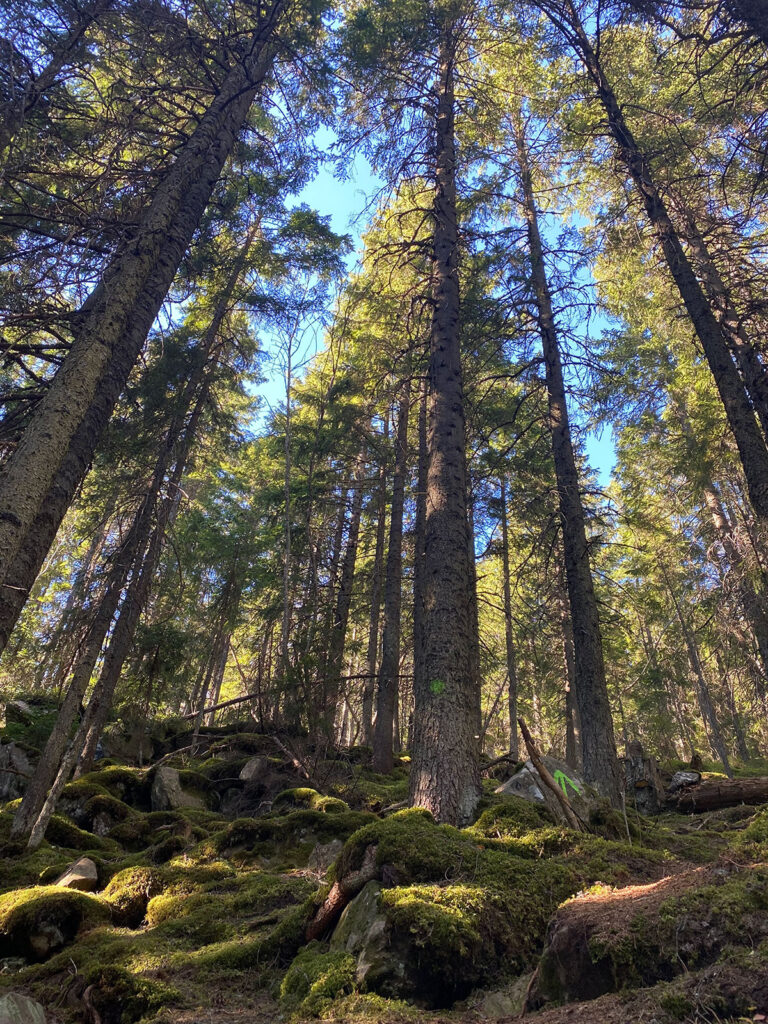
(34, 922)
(367, 790)
(511, 818)
(131, 785)
(315, 978)
(129, 891)
(410, 843)
(309, 799)
(61, 832)
(120, 997)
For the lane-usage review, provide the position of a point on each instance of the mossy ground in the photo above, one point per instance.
(198, 911)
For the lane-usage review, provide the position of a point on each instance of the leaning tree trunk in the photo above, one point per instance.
(509, 637)
(56, 449)
(741, 418)
(389, 672)
(446, 724)
(598, 745)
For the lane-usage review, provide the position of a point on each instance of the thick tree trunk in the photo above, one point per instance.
(509, 637)
(572, 719)
(446, 725)
(389, 672)
(54, 453)
(369, 683)
(741, 418)
(601, 767)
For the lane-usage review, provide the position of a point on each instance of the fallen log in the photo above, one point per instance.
(716, 793)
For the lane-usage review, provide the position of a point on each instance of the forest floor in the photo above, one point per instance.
(199, 911)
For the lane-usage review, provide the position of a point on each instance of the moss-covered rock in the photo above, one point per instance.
(62, 832)
(309, 799)
(128, 893)
(36, 922)
(315, 978)
(609, 939)
(121, 997)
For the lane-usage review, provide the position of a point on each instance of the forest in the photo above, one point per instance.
(383, 511)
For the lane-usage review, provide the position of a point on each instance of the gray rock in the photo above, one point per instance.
(255, 768)
(82, 875)
(167, 794)
(527, 784)
(15, 770)
(362, 932)
(682, 779)
(506, 1002)
(18, 1009)
(323, 855)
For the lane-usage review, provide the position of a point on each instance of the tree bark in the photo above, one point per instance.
(445, 774)
(369, 685)
(509, 638)
(601, 767)
(389, 672)
(56, 448)
(344, 600)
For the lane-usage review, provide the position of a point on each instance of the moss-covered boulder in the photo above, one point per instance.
(610, 939)
(168, 793)
(36, 922)
(129, 892)
(310, 799)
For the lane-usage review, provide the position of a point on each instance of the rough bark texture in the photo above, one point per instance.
(709, 796)
(446, 728)
(600, 763)
(389, 672)
(58, 445)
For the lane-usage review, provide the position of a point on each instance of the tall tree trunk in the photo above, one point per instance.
(371, 661)
(344, 600)
(741, 418)
(572, 719)
(601, 767)
(509, 636)
(53, 455)
(389, 672)
(703, 695)
(446, 723)
(419, 533)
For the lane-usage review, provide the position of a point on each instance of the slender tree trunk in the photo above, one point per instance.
(419, 533)
(344, 599)
(702, 687)
(369, 683)
(53, 455)
(446, 723)
(741, 418)
(389, 673)
(601, 767)
(509, 636)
